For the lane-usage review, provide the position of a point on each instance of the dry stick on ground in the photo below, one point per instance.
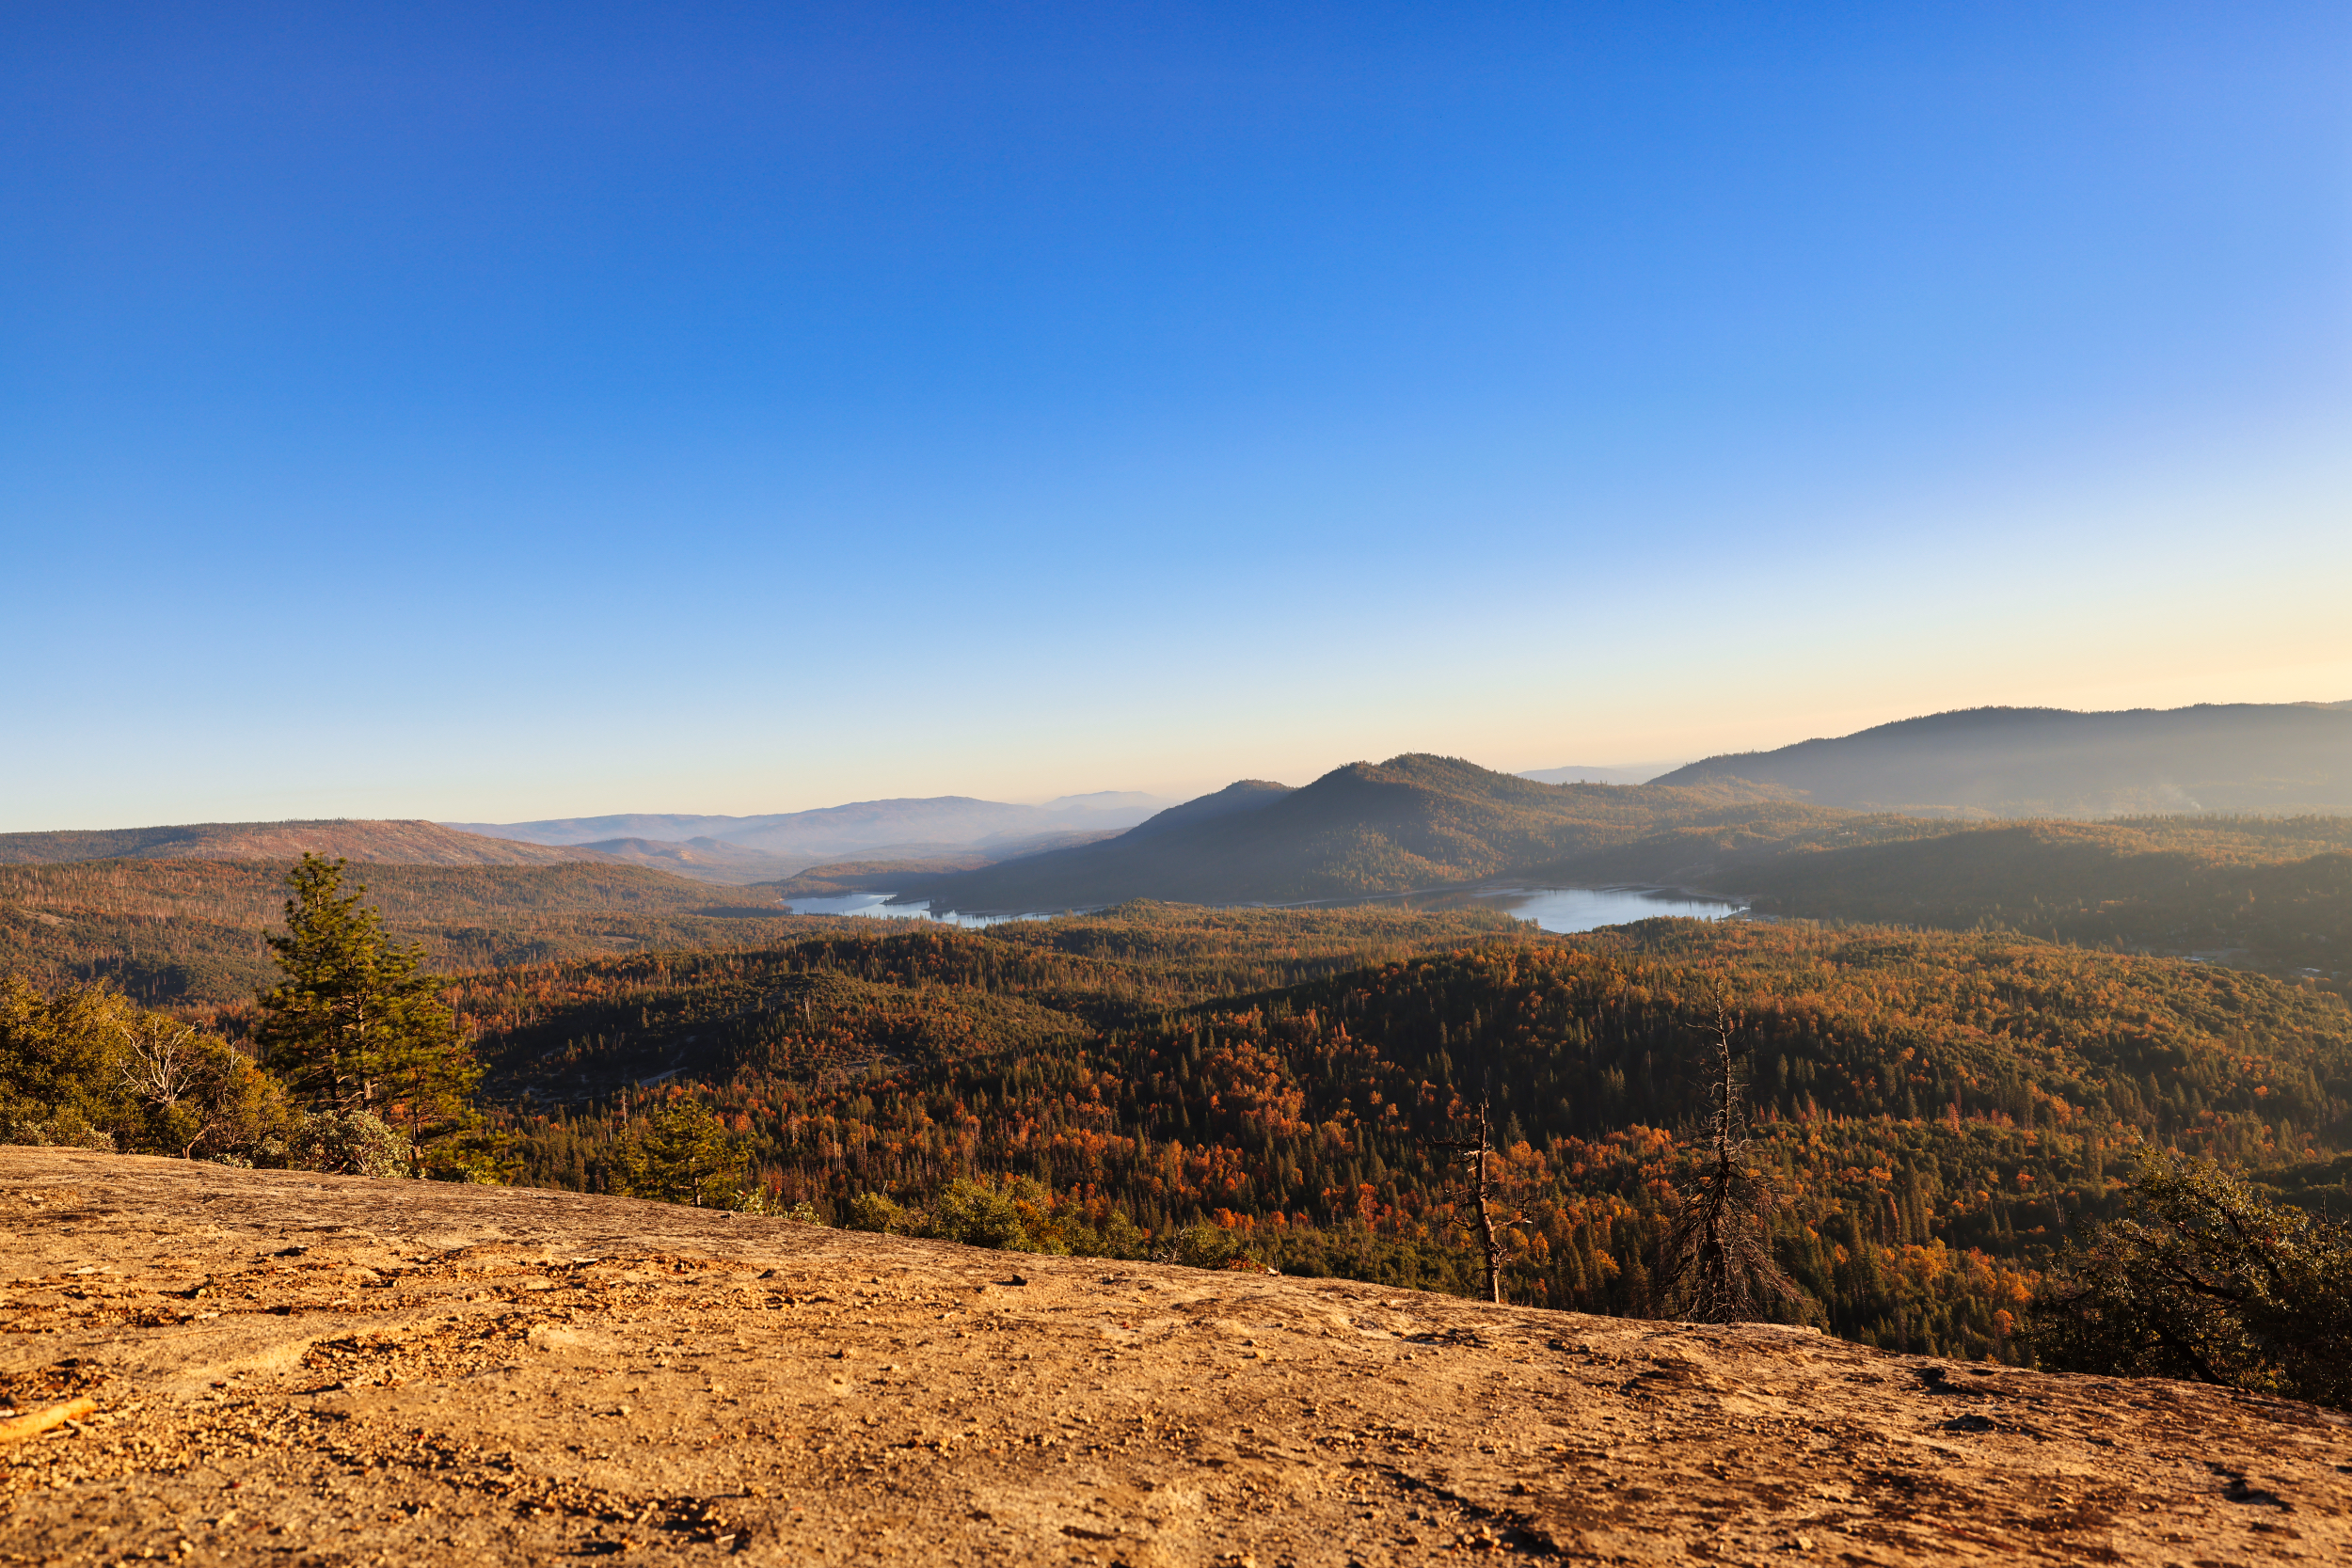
(38, 1422)
(1717, 1260)
(1472, 1153)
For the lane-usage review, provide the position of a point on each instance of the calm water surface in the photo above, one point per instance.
(1554, 909)
(1578, 908)
(874, 906)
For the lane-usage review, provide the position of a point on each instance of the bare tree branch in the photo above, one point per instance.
(1717, 1263)
(1472, 1153)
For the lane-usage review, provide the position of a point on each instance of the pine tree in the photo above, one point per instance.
(683, 1156)
(355, 1025)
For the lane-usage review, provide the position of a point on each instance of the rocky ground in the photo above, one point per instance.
(288, 1368)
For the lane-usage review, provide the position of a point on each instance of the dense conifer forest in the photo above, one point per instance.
(190, 932)
(1935, 1109)
(2273, 893)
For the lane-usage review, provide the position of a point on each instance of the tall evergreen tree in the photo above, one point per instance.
(683, 1156)
(356, 1025)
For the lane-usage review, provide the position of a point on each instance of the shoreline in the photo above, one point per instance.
(1737, 906)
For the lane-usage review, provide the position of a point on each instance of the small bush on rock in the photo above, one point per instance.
(2205, 1279)
(871, 1211)
(345, 1143)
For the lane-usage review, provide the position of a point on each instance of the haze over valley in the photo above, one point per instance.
(2267, 890)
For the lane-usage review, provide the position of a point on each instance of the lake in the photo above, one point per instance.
(1553, 909)
(1578, 908)
(876, 905)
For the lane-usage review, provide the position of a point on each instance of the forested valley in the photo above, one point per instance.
(2266, 893)
(1936, 1110)
(190, 933)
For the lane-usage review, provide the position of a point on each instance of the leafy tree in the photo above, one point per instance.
(58, 1060)
(354, 1025)
(195, 1090)
(88, 1068)
(2203, 1279)
(684, 1155)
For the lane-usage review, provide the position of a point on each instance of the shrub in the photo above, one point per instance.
(2203, 1279)
(1210, 1246)
(1115, 1236)
(67, 1129)
(347, 1143)
(871, 1211)
(60, 1081)
(979, 1215)
(89, 1069)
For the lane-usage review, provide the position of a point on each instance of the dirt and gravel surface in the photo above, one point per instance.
(288, 1368)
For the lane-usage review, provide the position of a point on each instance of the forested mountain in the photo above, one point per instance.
(2262, 893)
(2275, 893)
(896, 865)
(2048, 762)
(1248, 795)
(1414, 821)
(396, 842)
(832, 833)
(1576, 774)
(703, 859)
(189, 931)
(1935, 1109)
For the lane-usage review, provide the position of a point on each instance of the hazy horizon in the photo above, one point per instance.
(1132, 801)
(507, 413)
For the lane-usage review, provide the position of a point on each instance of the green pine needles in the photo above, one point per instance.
(356, 1026)
(685, 1155)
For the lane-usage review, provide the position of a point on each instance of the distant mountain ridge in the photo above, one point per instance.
(1414, 821)
(2054, 762)
(861, 827)
(710, 860)
(1586, 773)
(703, 859)
(393, 843)
(433, 844)
(1247, 795)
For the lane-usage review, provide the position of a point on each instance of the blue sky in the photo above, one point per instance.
(495, 411)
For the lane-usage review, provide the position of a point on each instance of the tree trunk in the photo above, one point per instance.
(1486, 1229)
